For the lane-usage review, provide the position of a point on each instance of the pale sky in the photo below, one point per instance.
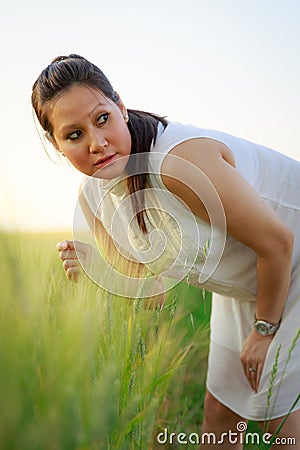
(231, 65)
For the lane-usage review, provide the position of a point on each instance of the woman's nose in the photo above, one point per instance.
(98, 143)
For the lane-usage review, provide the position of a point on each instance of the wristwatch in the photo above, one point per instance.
(265, 328)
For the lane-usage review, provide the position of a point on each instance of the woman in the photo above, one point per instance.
(257, 188)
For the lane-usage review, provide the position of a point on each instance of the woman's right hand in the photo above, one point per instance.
(68, 255)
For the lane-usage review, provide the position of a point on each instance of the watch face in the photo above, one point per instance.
(265, 328)
(262, 328)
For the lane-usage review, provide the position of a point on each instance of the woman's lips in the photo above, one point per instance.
(105, 160)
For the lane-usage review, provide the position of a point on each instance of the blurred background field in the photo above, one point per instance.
(82, 370)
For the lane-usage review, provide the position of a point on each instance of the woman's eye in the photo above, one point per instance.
(74, 135)
(103, 118)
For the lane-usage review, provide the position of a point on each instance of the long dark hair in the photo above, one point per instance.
(61, 75)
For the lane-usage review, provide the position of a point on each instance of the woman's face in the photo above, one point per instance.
(91, 131)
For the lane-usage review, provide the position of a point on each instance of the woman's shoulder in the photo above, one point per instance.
(249, 156)
(176, 133)
(185, 139)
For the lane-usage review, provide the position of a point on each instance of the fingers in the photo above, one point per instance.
(70, 263)
(73, 273)
(253, 373)
(65, 245)
(68, 255)
(253, 355)
(79, 248)
(72, 269)
(253, 370)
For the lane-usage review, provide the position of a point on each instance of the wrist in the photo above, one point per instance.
(265, 328)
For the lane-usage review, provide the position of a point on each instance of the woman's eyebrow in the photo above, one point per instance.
(96, 107)
(69, 127)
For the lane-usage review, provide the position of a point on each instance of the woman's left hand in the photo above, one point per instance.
(253, 357)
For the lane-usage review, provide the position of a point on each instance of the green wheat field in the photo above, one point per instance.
(82, 370)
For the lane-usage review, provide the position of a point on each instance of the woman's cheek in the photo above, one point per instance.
(77, 160)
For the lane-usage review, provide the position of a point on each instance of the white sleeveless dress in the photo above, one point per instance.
(233, 280)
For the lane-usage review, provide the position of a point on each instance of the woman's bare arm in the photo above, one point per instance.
(249, 219)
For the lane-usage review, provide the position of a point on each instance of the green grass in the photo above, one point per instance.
(81, 370)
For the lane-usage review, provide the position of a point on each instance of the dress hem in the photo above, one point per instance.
(249, 417)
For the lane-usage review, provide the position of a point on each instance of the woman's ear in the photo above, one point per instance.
(122, 108)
